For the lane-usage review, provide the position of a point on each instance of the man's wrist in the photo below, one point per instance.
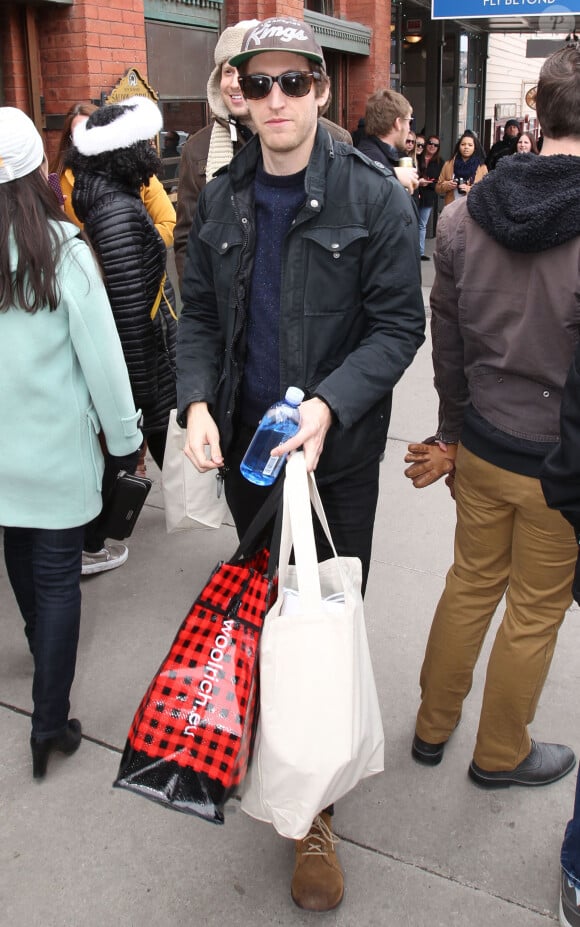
(193, 408)
(328, 406)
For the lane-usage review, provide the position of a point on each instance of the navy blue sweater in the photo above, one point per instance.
(277, 201)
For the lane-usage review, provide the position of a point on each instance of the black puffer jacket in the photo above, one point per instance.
(351, 312)
(133, 256)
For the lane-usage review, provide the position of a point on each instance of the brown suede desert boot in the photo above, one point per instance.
(318, 882)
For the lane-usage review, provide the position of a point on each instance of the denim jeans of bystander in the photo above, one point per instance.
(44, 569)
(424, 215)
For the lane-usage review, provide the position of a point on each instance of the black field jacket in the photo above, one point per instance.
(351, 315)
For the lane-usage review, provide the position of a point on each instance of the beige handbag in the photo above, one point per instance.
(192, 499)
(320, 730)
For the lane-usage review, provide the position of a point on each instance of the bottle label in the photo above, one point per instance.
(270, 466)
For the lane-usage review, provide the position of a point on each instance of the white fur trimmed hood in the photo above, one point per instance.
(138, 119)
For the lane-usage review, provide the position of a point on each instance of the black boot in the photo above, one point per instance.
(66, 743)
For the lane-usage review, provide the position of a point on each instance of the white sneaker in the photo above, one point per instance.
(108, 558)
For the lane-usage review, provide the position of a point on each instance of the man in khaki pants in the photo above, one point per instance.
(505, 324)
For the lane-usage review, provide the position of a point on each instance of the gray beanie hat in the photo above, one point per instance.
(229, 44)
(221, 145)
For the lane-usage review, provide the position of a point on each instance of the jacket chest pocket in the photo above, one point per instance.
(224, 241)
(333, 267)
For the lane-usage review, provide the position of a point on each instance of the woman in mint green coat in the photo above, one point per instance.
(62, 378)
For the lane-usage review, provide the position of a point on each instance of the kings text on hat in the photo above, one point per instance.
(284, 33)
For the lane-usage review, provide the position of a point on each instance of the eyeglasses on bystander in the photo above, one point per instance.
(433, 144)
(291, 83)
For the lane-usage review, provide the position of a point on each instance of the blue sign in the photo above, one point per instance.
(476, 9)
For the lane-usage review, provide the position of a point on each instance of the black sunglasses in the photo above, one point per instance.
(420, 144)
(434, 144)
(291, 83)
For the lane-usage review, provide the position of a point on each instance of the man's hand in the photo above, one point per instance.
(201, 431)
(315, 420)
(429, 462)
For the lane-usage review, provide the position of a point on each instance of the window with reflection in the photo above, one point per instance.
(320, 6)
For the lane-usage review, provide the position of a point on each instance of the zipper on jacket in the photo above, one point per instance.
(240, 303)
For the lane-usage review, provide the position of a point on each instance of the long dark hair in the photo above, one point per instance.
(478, 152)
(435, 159)
(26, 206)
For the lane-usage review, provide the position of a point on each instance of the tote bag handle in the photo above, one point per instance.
(300, 491)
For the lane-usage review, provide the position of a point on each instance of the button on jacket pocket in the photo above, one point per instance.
(225, 242)
(333, 261)
(221, 236)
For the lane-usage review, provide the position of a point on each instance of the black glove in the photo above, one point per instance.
(113, 466)
(128, 462)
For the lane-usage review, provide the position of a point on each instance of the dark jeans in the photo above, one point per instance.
(350, 504)
(570, 855)
(44, 569)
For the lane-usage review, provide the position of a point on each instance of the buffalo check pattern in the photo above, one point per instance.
(198, 713)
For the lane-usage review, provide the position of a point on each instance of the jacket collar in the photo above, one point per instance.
(242, 168)
(389, 151)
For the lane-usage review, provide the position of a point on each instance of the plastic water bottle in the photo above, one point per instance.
(280, 422)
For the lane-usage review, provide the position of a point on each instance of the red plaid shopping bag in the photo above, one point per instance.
(190, 741)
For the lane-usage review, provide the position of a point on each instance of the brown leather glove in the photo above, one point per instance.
(429, 462)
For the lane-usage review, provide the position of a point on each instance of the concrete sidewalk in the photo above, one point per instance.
(421, 847)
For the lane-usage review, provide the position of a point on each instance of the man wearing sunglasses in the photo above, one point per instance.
(302, 269)
(210, 149)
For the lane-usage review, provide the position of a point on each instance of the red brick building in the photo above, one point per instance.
(54, 53)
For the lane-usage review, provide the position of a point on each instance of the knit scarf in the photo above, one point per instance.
(221, 148)
(466, 169)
